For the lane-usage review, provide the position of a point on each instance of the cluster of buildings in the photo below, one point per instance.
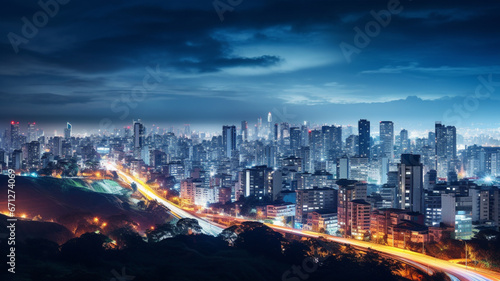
(32, 151)
(324, 178)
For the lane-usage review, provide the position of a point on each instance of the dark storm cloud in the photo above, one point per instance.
(276, 52)
(41, 99)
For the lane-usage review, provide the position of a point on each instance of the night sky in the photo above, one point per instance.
(89, 61)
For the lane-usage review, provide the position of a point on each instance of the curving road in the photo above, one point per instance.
(455, 271)
(209, 228)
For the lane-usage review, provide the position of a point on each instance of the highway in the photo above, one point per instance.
(455, 271)
(209, 228)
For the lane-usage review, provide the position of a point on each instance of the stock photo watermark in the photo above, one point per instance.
(297, 273)
(11, 221)
(283, 115)
(363, 37)
(221, 7)
(460, 111)
(30, 28)
(131, 100)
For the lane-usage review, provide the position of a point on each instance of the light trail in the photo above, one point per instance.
(208, 227)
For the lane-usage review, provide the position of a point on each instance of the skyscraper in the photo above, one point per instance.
(295, 138)
(57, 146)
(229, 140)
(32, 132)
(139, 131)
(404, 142)
(276, 131)
(387, 139)
(14, 135)
(269, 126)
(259, 181)
(68, 130)
(446, 147)
(244, 130)
(364, 138)
(332, 139)
(410, 177)
(33, 154)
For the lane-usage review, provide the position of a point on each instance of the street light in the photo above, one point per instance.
(465, 252)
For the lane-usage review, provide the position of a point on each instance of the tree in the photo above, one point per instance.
(187, 226)
(161, 232)
(254, 237)
(88, 248)
(295, 252)
(127, 237)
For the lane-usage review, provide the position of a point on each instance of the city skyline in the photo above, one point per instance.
(250, 140)
(215, 129)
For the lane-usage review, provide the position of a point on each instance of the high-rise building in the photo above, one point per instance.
(332, 139)
(57, 146)
(32, 134)
(270, 153)
(410, 180)
(258, 182)
(349, 190)
(404, 142)
(14, 135)
(295, 138)
(34, 154)
(431, 139)
(187, 130)
(68, 130)
(387, 139)
(17, 159)
(352, 145)
(139, 137)
(364, 138)
(244, 130)
(276, 131)
(310, 200)
(446, 148)
(229, 140)
(359, 218)
(316, 144)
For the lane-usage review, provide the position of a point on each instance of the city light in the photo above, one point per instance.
(188, 134)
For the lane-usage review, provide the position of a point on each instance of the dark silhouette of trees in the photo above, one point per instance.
(187, 226)
(127, 237)
(88, 248)
(161, 232)
(255, 253)
(254, 237)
